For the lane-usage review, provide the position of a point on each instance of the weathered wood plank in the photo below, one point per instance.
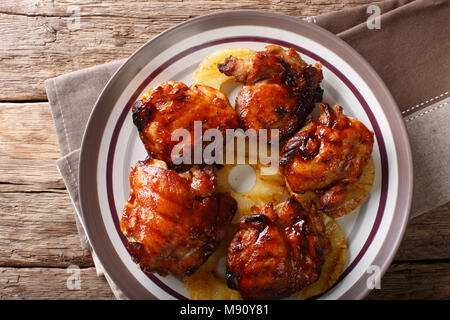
(39, 41)
(39, 229)
(415, 281)
(402, 281)
(427, 236)
(45, 283)
(146, 9)
(29, 148)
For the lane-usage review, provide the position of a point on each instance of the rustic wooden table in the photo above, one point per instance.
(38, 236)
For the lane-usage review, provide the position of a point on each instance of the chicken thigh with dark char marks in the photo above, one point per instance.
(173, 221)
(279, 89)
(174, 106)
(277, 252)
(327, 155)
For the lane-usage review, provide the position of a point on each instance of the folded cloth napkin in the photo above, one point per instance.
(410, 51)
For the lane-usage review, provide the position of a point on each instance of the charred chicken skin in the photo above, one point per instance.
(173, 221)
(173, 105)
(279, 89)
(276, 254)
(327, 155)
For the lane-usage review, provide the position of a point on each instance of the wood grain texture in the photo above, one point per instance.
(427, 236)
(51, 283)
(402, 281)
(38, 229)
(38, 41)
(29, 148)
(415, 281)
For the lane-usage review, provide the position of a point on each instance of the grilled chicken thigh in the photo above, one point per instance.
(173, 221)
(276, 253)
(279, 89)
(173, 105)
(327, 155)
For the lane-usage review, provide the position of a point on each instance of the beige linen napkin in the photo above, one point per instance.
(410, 52)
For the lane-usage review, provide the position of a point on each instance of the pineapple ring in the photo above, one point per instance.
(267, 188)
(207, 72)
(356, 195)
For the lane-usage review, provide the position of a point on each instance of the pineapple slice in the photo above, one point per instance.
(207, 72)
(267, 188)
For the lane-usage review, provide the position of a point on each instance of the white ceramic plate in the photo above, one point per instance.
(111, 144)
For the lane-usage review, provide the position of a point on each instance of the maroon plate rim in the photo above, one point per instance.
(96, 231)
